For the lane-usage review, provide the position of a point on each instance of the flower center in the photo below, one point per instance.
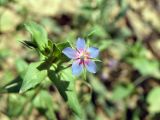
(83, 55)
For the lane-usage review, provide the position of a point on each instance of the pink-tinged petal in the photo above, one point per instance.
(93, 52)
(70, 53)
(91, 66)
(76, 68)
(80, 44)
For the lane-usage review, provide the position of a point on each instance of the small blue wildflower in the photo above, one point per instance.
(82, 57)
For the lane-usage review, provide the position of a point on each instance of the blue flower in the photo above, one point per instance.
(82, 57)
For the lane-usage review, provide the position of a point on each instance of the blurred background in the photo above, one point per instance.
(127, 32)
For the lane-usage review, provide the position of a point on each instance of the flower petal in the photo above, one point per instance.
(93, 52)
(76, 68)
(80, 44)
(69, 52)
(91, 66)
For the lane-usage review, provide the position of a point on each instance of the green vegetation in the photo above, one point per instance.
(36, 80)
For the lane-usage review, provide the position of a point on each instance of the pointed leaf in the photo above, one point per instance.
(65, 84)
(39, 35)
(33, 76)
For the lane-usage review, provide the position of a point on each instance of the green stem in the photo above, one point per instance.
(84, 74)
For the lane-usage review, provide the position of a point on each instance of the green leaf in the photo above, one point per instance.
(153, 100)
(96, 60)
(39, 35)
(98, 86)
(14, 86)
(103, 44)
(50, 114)
(7, 76)
(58, 51)
(4, 53)
(97, 31)
(65, 84)
(3, 2)
(123, 10)
(43, 101)
(15, 105)
(121, 92)
(33, 76)
(146, 67)
(63, 45)
(56, 54)
(21, 66)
(6, 23)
